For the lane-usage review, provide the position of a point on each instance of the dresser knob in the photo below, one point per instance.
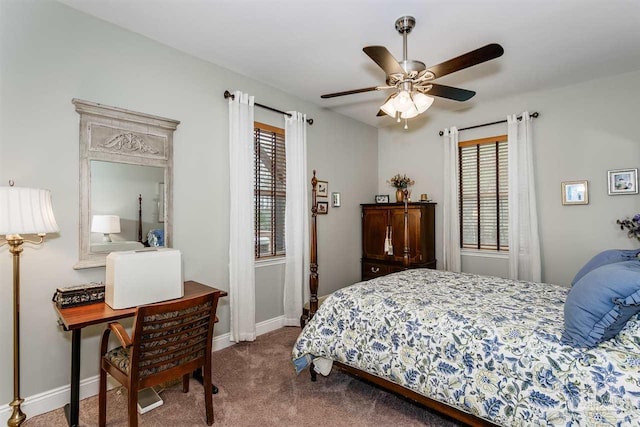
(375, 269)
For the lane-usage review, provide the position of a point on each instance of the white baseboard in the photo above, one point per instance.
(58, 397)
(223, 341)
(269, 325)
(53, 399)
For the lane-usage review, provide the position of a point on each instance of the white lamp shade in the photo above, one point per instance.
(105, 224)
(410, 113)
(26, 211)
(402, 102)
(388, 107)
(422, 102)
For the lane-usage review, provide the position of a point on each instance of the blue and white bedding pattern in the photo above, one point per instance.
(485, 345)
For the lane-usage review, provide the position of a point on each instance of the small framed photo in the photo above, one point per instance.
(382, 198)
(623, 181)
(575, 193)
(323, 207)
(335, 200)
(322, 190)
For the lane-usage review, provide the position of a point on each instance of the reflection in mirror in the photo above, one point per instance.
(129, 195)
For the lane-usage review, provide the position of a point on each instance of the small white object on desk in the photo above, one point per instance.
(141, 277)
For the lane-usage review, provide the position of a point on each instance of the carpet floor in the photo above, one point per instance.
(259, 387)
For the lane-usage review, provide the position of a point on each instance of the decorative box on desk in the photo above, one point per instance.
(73, 296)
(143, 277)
(384, 222)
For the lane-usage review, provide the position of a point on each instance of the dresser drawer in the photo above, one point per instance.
(396, 268)
(371, 270)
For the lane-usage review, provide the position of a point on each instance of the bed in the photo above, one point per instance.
(485, 350)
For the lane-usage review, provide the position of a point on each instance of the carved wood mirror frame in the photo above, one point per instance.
(113, 134)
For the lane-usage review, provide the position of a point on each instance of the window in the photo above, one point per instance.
(484, 179)
(269, 190)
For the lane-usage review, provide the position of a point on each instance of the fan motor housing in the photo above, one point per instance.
(405, 24)
(411, 66)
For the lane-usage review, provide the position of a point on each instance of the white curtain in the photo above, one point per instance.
(524, 243)
(296, 219)
(241, 222)
(450, 210)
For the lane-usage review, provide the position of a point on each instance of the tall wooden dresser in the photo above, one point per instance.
(385, 222)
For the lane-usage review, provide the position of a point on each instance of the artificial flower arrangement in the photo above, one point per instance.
(401, 182)
(633, 225)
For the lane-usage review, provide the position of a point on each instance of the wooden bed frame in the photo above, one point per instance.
(385, 384)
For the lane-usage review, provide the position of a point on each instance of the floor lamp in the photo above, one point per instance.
(22, 211)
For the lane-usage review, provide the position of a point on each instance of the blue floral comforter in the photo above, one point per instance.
(485, 345)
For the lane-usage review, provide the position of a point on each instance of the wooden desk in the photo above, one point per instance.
(75, 318)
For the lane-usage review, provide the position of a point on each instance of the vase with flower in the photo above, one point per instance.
(401, 184)
(632, 225)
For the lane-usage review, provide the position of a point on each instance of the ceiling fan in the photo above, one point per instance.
(412, 79)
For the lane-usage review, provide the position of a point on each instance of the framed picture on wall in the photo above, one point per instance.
(323, 207)
(623, 181)
(575, 193)
(322, 190)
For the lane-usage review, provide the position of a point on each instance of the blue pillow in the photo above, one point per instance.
(155, 237)
(603, 258)
(600, 303)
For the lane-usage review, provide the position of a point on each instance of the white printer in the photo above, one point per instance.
(143, 277)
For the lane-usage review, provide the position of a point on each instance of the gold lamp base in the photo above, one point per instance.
(17, 416)
(15, 248)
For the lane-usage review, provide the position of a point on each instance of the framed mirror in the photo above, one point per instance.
(126, 181)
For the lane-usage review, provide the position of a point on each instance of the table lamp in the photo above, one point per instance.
(22, 211)
(105, 224)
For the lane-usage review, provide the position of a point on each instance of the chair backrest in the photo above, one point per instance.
(171, 339)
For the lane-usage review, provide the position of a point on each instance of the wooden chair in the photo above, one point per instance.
(170, 340)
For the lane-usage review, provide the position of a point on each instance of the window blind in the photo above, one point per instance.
(269, 190)
(484, 184)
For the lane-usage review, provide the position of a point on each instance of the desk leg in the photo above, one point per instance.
(197, 375)
(72, 409)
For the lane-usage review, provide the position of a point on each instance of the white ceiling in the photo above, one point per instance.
(309, 48)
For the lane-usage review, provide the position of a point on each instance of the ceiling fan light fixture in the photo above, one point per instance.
(402, 101)
(410, 113)
(389, 107)
(422, 102)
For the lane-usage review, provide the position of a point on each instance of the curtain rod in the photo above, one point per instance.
(228, 94)
(532, 115)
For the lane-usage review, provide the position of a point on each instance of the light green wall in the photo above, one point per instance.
(49, 54)
(583, 131)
